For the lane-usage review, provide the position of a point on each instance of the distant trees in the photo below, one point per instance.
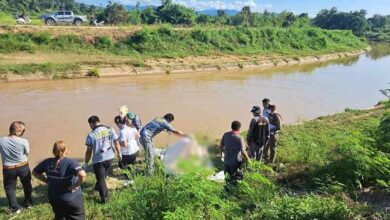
(116, 13)
(333, 19)
(172, 13)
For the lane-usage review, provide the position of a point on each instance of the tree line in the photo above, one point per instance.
(176, 14)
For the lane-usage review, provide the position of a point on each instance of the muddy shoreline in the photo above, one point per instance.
(179, 67)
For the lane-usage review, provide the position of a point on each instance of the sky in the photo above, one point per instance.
(297, 6)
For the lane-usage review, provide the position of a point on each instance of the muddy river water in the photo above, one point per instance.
(202, 102)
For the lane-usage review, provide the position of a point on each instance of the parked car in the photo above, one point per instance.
(64, 17)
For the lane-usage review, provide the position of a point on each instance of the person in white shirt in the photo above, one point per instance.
(128, 140)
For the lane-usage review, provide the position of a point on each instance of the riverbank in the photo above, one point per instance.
(55, 54)
(327, 168)
(33, 71)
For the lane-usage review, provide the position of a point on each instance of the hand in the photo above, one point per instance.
(73, 188)
(119, 157)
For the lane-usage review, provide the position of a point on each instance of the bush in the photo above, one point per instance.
(103, 42)
(15, 42)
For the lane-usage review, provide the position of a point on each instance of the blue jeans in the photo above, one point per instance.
(147, 143)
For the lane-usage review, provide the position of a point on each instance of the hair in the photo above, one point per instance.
(119, 120)
(236, 125)
(272, 107)
(266, 100)
(169, 117)
(17, 128)
(59, 149)
(93, 119)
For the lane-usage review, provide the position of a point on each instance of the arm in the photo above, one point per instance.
(40, 177)
(27, 148)
(251, 125)
(118, 149)
(278, 123)
(81, 177)
(179, 133)
(243, 152)
(88, 154)
(137, 122)
(222, 147)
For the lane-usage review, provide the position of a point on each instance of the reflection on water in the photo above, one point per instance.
(201, 102)
(379, 50)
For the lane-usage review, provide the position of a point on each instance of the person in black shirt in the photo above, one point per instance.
(64, 177)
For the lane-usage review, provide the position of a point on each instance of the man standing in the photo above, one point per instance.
(233, 147)
(14, 151)
(152, 129)
(100, 145)
(258, 133)
(275, 126)
(266, 110)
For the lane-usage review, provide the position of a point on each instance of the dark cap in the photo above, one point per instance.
(266, 100)
(256, 109)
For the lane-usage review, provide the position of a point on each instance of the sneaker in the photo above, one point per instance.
(27, 205)
(128, 182)
(13, 211)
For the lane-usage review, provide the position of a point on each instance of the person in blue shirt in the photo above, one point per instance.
(102, 143)
(151, 130)
(266, 110)
(64, 177)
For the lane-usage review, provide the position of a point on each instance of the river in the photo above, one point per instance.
(203, 103)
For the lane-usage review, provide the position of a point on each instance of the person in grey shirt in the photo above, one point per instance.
(233, 148)
(14, 151)
(150, 130)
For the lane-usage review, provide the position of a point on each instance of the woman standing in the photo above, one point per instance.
(64, 177)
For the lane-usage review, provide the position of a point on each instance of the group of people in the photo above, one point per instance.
(261, 140)
(64, 175)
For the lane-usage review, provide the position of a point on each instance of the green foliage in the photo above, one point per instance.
(345, 151)
(149, 16)
(50, 69)
(116, 13)
(94, 72)
(383, 134)
(333, 19)
(103, 42)
(16, 42)
(175, 13)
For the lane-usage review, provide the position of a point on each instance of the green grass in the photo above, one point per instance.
(344, 147)
(167, 42)
(334, 151)
(56, 71)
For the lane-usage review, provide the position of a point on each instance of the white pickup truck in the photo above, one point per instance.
(64, 17)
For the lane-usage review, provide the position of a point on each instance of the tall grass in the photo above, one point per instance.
(168, 42)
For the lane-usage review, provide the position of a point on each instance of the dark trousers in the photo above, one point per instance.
(68, 210)
(9, 181)
(127, 160)
(270, 148)
(101, 170)
(233, 172)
